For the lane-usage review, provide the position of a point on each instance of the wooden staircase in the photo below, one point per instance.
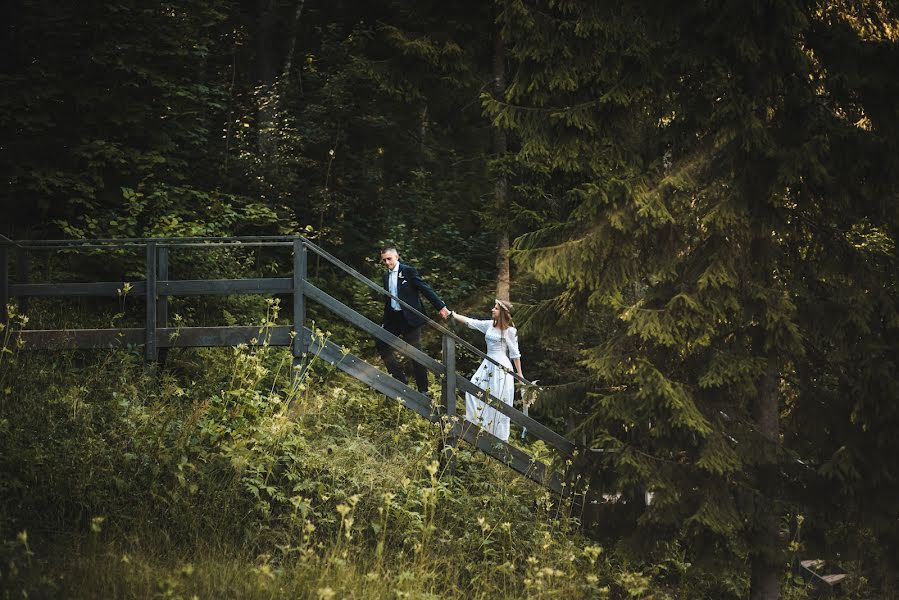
(560, 477)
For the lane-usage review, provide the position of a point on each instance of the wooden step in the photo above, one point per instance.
(834, 579)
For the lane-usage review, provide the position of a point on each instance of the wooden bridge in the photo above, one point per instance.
(561, 477)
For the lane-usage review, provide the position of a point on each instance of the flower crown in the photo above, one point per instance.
(505, 305)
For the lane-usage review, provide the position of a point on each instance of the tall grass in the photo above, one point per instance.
(219, 477)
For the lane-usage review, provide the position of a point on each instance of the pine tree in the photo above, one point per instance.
(716, 215)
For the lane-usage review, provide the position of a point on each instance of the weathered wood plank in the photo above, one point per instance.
(206, 287)
(162, 304)
(24, 275)
(299, 347)
(373, 329)
(372, 376)
(450, 388)
(151, 352)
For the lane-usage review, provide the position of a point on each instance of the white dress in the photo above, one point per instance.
(501, 346)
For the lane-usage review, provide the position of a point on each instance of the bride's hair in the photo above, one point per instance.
(504, 319)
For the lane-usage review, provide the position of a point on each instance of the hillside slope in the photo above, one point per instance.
(216, 479)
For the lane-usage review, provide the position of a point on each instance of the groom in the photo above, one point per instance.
(403, 281)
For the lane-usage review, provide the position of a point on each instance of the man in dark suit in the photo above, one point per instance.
(404, 282)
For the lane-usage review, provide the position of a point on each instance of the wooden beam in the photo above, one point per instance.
(449, 384)
(206, 287)
(366, 373)
(151, 351)
(162, 304)
(24, 275)
(448, 447)
(299, 346)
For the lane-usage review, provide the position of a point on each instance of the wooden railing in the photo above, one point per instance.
(157, 287)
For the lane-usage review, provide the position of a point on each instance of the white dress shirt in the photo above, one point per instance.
(392, 285)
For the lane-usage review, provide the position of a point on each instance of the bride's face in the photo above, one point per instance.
(495, 311)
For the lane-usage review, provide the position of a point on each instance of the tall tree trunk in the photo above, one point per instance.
(423, 132)
(766, 545)
(267, 72)
(501, 185)
(292, 46)
(766, 568)
(274, 78)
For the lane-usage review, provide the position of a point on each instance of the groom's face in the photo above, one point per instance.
(389, 259)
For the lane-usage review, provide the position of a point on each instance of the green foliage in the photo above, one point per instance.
(705, 152)
(220, 478)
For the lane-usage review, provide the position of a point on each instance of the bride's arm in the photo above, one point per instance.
(461, 318)
(478, 324)
(517, 363)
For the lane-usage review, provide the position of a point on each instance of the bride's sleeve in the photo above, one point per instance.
(512, 340)
(478, 324)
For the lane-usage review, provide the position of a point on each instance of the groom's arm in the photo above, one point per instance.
(422, 286)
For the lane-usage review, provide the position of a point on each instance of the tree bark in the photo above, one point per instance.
(292, 46)
(501, 185)
(266, 52)
(766, 567)
(267, 72)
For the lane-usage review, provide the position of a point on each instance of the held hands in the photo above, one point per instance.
(444, 312)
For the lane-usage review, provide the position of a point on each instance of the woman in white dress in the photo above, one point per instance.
(502, 346)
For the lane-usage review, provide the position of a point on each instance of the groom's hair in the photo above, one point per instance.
(390, 249)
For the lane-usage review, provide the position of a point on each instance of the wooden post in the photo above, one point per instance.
(524, 430)
(300, 345)
(4, 283)
(162, 303)
(151, 350)
(449, 399)
(23, 268)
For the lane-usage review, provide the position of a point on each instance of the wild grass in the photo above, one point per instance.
(219, 477)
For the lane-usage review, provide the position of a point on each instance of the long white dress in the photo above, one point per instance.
(502, 345)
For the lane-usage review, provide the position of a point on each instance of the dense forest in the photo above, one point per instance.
(692, 206)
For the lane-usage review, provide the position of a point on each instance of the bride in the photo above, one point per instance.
(502, 346)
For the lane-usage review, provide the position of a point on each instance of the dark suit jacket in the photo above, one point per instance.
(408, 286)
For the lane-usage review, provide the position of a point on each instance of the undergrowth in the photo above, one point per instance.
(219, 477)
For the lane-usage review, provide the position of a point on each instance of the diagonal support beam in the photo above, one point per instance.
(366, 373)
